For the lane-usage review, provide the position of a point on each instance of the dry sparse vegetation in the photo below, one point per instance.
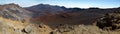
(9, 26)
(110, 21)
(82, 29)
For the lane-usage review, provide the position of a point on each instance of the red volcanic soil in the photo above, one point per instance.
(68, 18)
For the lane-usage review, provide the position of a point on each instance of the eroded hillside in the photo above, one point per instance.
(14, 12)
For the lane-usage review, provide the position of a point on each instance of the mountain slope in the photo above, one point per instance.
(61, 15)
(43, 9)
(71, 16)
(14, 12)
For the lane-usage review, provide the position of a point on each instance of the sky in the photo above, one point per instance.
(67, 3)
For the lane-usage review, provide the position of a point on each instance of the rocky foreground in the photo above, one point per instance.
(8, 26)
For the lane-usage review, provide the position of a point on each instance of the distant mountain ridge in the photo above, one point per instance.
(50, 9)
(61, 15)
(43, 9)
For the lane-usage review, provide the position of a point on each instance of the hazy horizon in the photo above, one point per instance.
(67, 3)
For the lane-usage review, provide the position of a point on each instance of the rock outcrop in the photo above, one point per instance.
(8, 26)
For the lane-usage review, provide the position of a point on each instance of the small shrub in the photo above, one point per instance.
(110, 20)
